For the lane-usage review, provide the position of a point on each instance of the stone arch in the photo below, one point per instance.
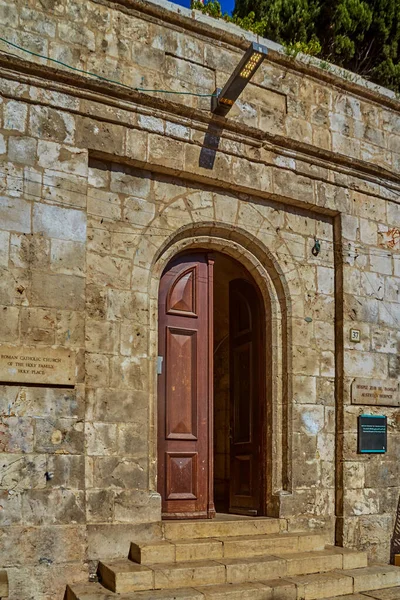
(264, 268)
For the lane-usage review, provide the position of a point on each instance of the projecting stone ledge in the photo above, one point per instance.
(3, 584)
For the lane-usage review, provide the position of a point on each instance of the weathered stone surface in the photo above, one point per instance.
(45, 581)
(110, 541)
(15, 115)
(116, 405)
(64, 292)
(41, 507)
(62, 223)
(67, 471)
(22, 150)
(44, 542)
(124, 473)
(29, 251)
(62, 436)
(37, 326)
(101, 438)
(27, 472)
(67, 159)
(15, 214)
(104, 137)
(31, 401)
(83, 242)
(67, 257)
(10, 324)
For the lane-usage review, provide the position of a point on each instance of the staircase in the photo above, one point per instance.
(237, 558)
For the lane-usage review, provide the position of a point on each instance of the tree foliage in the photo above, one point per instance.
(284, 20)
(360, 35)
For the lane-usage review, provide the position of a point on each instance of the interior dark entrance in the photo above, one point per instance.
(211, 388)
(239, 384)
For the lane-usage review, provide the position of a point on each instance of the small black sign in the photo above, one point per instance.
(372, 434)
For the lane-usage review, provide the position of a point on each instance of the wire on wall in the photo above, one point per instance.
(101, 77)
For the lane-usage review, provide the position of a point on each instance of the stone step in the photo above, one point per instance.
(278, 589)
(126, 576)
(374, 577)
(246, 546)
(392, 593)
(320, 585)
(241, 570)
(88, 591)
(338, 585)
(95, 591)
(227, 527)
(231, 547)
(351, 559)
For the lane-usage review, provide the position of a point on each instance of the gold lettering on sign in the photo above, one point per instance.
(52, 366)
(375, 392)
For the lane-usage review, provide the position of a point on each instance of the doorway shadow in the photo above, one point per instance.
(238, 368)
(395, 541)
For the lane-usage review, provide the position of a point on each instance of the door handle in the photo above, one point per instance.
(160, 360)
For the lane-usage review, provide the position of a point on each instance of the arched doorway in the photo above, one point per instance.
(211, 388)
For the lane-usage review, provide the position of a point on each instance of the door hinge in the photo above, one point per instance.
(159, 364)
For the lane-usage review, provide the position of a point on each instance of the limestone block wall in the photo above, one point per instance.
(42, 297)
(100, 186)
(184, 51)
(371, 304)
(148, 210)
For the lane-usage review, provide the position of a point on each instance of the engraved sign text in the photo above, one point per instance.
(37, 365)
(375, 392)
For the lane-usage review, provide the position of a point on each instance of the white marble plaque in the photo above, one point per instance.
(378, 392)
(19, 364)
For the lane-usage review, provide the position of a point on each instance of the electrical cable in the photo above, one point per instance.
(101, 77)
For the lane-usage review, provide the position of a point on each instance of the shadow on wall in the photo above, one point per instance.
(210, 146)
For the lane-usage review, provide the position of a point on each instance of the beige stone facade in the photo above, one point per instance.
(100, 187)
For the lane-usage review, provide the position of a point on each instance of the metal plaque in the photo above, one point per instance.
(372, 434)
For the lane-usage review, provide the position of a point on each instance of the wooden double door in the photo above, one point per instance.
(185, 391)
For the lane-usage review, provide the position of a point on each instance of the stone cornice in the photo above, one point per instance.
(78, 86)
(214, 29)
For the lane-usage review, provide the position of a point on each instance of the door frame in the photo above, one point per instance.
(274, 302)
(211, 504)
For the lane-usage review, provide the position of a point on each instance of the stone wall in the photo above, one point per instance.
(371, 297)
(147, 211)
(100, 186)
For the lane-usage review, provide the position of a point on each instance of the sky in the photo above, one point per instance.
(227, 5)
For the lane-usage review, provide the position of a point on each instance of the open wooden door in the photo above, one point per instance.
(185, 412)
(247, 398)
